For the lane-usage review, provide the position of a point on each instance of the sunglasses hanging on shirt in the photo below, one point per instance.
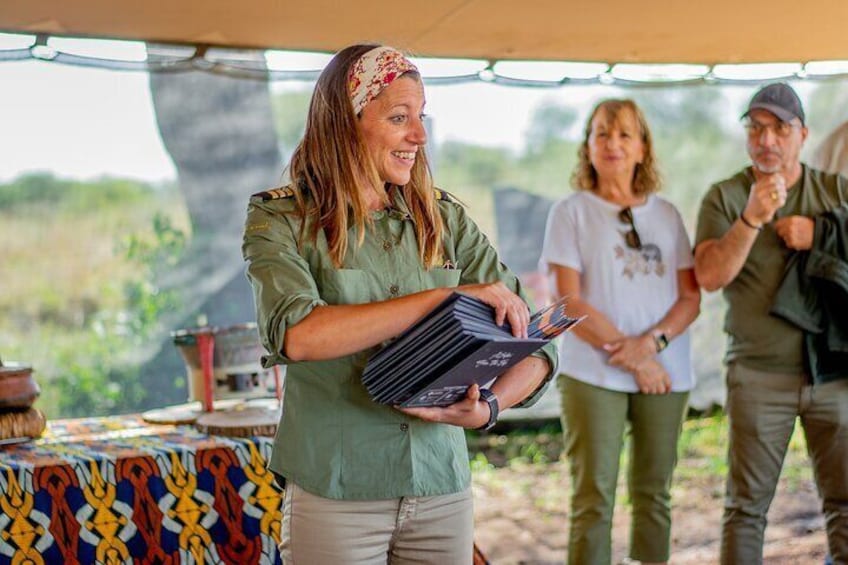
(631, 238)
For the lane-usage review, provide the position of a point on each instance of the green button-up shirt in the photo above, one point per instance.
(333, 440)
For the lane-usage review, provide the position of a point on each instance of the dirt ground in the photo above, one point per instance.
(521, 515)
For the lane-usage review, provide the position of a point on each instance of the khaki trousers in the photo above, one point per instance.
(435, 530)
(594, 422)
(762, 408)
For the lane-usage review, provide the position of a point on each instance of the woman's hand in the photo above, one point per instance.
(469, 412)
(652, 378)
(508, 305)
(628, 352)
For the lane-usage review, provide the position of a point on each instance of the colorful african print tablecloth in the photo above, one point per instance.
(117, 490)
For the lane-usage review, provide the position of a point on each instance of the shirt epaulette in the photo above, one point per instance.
(274, 194)
(443, 195)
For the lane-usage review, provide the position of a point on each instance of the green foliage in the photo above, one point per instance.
(826, 110)
(546, 170)
(692, 140)
(76, 312)
(165, 249)
(34, 187)
(702, 451)
(543, 168)
(703, 443)
(145, 300)
(520, 446)
(44, 188)
(480, 463)
(289, 110)
(76, 304)
(95, 379)
(466, 165)
(550, 123)
(93, 382)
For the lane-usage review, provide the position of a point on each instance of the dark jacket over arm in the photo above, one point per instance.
(814, 296)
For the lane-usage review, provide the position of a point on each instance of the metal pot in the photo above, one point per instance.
(236, 369)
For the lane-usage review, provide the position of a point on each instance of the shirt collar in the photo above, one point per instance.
(398, 208)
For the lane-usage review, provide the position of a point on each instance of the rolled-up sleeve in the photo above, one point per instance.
(480, 263)
(283, 287)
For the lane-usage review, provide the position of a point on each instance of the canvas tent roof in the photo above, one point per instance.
(651, 31)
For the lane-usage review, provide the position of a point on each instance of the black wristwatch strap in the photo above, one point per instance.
(661, 341)
(489, 398)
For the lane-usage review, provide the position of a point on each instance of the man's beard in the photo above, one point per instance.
(769, 169)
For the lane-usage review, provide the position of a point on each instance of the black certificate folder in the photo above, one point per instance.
(454, 346)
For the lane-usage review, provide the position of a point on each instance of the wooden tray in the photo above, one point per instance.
(188, 413)
(173, 415)
(241, 421)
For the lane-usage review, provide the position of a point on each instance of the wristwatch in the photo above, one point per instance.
(660, 340)
(489, 398)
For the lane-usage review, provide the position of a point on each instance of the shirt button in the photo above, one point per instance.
(404, 427)
(394, 290)
(387, 245)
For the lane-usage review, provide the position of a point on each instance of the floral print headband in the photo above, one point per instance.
(374, 71)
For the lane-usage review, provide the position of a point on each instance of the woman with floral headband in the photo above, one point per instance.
(354, 251)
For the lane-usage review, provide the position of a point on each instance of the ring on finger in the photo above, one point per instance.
(774, 195)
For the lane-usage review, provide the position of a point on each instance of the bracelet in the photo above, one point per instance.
(749, 224)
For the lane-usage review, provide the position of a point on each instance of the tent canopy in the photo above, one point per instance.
(651, 31)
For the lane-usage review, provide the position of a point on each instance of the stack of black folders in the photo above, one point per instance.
(455, 345)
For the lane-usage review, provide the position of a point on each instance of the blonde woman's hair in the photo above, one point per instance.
(646, 176)
(331, 168)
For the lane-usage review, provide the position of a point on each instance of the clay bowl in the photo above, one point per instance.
(18, 390)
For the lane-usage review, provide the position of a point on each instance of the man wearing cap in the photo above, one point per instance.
(756, 229)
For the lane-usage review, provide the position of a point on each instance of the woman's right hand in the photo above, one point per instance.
(467, 412)
(508, 305)
(628, 352)
(652, 378)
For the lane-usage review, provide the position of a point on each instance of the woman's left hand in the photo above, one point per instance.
(467, 413)
(628, 352)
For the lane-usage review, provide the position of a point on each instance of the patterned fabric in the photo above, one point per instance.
(117, 490)
(373, 72)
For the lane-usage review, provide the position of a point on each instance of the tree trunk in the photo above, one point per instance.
(220, 133)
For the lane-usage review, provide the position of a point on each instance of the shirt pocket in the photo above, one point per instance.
(440, 278)
(344, 286)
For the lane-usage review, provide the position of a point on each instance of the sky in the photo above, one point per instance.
(78, 123)
(83, 123)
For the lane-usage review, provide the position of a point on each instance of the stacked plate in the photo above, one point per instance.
(454, 346)
(19, 421)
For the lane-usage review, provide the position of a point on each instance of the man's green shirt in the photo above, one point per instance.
(333, 440)
(756, 338)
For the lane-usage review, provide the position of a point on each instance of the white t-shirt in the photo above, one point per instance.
(633, 288)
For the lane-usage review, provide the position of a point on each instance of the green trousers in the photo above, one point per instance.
(594, 423)
(762, 408)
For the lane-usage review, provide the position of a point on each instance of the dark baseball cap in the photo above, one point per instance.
(779, 99)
